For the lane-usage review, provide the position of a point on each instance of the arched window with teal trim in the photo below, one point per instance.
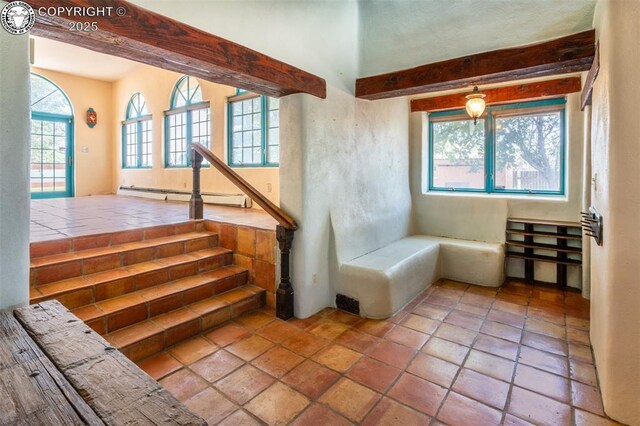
(137, 134)
(47, 97)
(254, 130)
(188, 121)
(51, 170)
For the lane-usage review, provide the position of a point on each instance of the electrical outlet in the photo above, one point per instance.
(269, 187)
(314, 279)
(85, 149)
(184, 184)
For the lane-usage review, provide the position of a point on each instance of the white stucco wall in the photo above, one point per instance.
(341, 158)
(615, 289)
(14, 169)
(354, 195)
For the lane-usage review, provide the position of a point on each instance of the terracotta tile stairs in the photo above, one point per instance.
(147, 289)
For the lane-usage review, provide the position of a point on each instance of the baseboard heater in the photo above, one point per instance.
(231, 200)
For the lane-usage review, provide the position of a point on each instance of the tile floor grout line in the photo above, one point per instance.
(255, 333)
(341, 375)
(463, 362)
(402, 371)
(507, 402)
(417, 351)
(568, 364)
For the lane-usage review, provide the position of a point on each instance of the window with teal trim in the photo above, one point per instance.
(137, 136)
(51, 168)
(458, 154)
(516, 148)
(188, 121)
(273, 131)
(48, 98)
(254, 123)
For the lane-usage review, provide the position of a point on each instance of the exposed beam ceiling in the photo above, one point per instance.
(500, 95)
(585, 98)
(153, 39)
(564, 55)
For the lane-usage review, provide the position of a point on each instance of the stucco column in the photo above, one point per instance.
(14, 169)
(615, 154)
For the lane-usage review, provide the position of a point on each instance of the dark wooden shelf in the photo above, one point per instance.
(544, 234)
(541, 246)
(545, 222)
(560, 233)
(541, 258)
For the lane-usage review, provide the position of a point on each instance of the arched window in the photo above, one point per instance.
(188, 121)
(51, 140)
(137, 135)
(48, 98)
(254, 130)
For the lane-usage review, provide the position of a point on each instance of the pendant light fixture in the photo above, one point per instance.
(475, 104)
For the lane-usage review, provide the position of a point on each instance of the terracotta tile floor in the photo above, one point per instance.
(71, 217)
(458, 354)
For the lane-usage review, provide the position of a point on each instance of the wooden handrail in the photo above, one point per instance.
(274, 211)
(284, 231)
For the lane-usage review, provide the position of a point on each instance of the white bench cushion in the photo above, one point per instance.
(385, 280)
(472, 262)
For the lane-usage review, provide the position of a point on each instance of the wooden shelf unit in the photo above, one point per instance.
(562, 239)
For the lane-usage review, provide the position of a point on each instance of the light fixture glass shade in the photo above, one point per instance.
(475, 104)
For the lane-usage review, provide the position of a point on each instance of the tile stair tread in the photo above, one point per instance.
(135, 333)
(89, 312)
(77, 283)
(118, 248)
(120, 303)
(126, 235)
(175, 317)
(64, 286)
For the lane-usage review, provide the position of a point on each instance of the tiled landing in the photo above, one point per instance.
(72, 217)
(459, 355)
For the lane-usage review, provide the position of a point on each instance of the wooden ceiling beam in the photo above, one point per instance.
(153, 39)
(568, 54)
(501, 95)
(585, 98)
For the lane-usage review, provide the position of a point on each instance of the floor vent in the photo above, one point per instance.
(347, 304)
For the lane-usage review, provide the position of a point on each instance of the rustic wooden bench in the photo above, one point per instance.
(55, 370)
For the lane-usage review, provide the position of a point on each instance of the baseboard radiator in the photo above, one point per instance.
(231, 200)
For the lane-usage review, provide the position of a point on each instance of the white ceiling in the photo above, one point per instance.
(402, 34)
(70, 59)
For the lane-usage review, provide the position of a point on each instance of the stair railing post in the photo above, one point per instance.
(284, 293)
(196, 204)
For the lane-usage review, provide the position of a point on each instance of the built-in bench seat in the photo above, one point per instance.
(385, 280)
